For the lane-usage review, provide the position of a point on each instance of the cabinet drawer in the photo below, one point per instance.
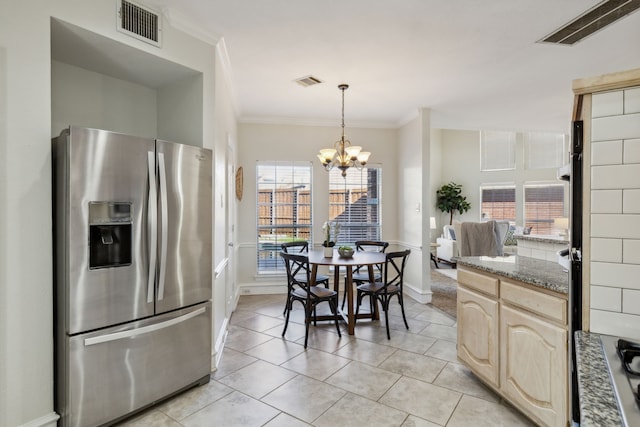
(545, 305)
(479, 282)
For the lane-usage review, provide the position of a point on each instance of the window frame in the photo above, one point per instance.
(348, 235)
(534, 221)
(499, 186)
(494, 142)
(545, 142)
(268, 260)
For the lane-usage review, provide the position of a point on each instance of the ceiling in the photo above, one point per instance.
(474, 64)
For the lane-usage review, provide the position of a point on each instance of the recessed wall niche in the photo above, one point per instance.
(102, 83)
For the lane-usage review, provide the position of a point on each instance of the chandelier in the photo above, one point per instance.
(343, 155)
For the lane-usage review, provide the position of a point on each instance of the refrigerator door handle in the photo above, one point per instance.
(152, 223)
(143, 330)
(165, 224)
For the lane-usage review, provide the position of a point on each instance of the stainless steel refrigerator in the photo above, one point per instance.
(132, 233)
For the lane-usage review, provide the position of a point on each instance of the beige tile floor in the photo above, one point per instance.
(412, 380)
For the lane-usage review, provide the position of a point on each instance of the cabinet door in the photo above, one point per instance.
(533, 373)
(478, 334)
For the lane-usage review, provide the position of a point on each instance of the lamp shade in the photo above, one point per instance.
(363, 157)
(561, 223)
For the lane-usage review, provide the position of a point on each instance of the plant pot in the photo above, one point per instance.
(328, 252)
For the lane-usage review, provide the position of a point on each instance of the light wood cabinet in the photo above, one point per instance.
(514, 337)
(478, 334)
(533, 365)
(478, 331)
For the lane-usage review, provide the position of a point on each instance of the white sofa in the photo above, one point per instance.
(448, 249)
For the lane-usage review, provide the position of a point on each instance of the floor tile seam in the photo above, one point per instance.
(313, 379)
(364, 397)
(462, 395)
(179, 421)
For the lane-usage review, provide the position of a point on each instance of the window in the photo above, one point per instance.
(497, 151)
(283, 210)
(542, 203)
(498, 202)
(545, 150)
(354, 202)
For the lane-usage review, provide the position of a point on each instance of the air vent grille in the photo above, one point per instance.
(139, 22)
(308, 81)
(592, 20)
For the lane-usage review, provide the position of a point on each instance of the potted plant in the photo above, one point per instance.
(450, 199)
(330, 229)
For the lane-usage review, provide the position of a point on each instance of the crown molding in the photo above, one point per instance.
(297, 121)
(181, 22)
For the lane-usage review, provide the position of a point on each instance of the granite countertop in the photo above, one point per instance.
(544, 274)
(542, 238)
(598, 407)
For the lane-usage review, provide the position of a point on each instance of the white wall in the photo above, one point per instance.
(436, 167)
(88, 99)
(180, 106)
(414, 156)
(26, 322)
(302, 143)
(225, 137)
(461, 164)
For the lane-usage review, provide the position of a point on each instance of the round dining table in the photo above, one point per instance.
(359, 258)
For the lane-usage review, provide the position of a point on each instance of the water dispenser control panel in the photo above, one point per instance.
(110, 228)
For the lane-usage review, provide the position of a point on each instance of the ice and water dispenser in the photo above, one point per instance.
(110, 228)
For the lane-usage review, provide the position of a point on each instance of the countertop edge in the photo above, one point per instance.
(598, 405)
(540, 273)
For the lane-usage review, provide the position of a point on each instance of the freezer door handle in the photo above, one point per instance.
(165, 224)
(143, 330)
(152, 223)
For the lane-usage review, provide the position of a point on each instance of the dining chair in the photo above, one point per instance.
(361, 272)
(309, 296)
(390, 286)
(302, 247)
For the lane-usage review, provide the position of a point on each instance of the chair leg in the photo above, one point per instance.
(334, 309)
(307, 322)
(401, 301)
(344, 294)
(288, 311)
(358, 302)
(386, 321)
(384, 302)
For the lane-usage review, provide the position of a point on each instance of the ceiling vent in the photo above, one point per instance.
(139, 22)
(592, 20)
(308, 81)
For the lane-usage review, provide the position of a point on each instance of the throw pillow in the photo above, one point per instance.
(510, 240)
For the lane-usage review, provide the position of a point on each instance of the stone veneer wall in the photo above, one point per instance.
(615, 213)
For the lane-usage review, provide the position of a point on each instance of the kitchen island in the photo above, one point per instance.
(513, 331)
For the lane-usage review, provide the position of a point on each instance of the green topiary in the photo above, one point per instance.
(450, 199)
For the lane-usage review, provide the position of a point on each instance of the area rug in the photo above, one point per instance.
(451, 273)
(444, 292)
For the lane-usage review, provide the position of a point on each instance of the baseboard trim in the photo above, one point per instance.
(418, 295)
(263, 289)
(219, 346)
(49, 420)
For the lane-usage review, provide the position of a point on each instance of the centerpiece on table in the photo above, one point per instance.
(330, 229)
